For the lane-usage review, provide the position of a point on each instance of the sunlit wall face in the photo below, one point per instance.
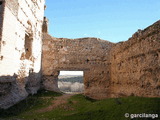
(71, 73)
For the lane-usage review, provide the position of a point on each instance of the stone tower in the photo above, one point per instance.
(20, 49)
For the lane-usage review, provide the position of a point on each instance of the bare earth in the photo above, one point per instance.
(57, 102)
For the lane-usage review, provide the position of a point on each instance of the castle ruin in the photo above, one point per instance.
(20, 49)
(30, 59)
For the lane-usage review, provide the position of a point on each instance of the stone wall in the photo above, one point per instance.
(85, 54)
(135, 68)
(20, 55)
(110, 70)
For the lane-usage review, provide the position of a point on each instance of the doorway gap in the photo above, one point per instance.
(71, 82)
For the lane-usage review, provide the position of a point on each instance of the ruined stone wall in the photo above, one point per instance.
(86, 54)
(110, 70)
(135, 68)
(20, 55)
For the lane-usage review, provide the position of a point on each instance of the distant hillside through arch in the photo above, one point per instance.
(71, 82)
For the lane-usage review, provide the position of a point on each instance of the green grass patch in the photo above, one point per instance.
(113, 108)
(30, 104)
(80, 107)
(45, 93)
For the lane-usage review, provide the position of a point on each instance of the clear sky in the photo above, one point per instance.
(113, 20)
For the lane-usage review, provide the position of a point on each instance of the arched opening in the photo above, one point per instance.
(71, 82)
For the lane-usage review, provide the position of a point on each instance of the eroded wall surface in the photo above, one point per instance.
(90, 55)
(110, 70)
(20, 55)
(135, 68)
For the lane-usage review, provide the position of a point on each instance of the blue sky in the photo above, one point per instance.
(112, 20)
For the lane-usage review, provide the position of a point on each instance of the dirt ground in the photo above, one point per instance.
(57, 102)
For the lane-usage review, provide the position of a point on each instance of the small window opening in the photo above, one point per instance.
(71, 82)
(28, 46)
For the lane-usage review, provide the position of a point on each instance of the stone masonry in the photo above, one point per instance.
(135, 68)
(20, 49)
(110, 70)
(90, 55)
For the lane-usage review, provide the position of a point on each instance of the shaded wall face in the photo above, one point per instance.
(21, 49)
(135, 68)
(1, 21)
(1, 13)
(87, 54)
